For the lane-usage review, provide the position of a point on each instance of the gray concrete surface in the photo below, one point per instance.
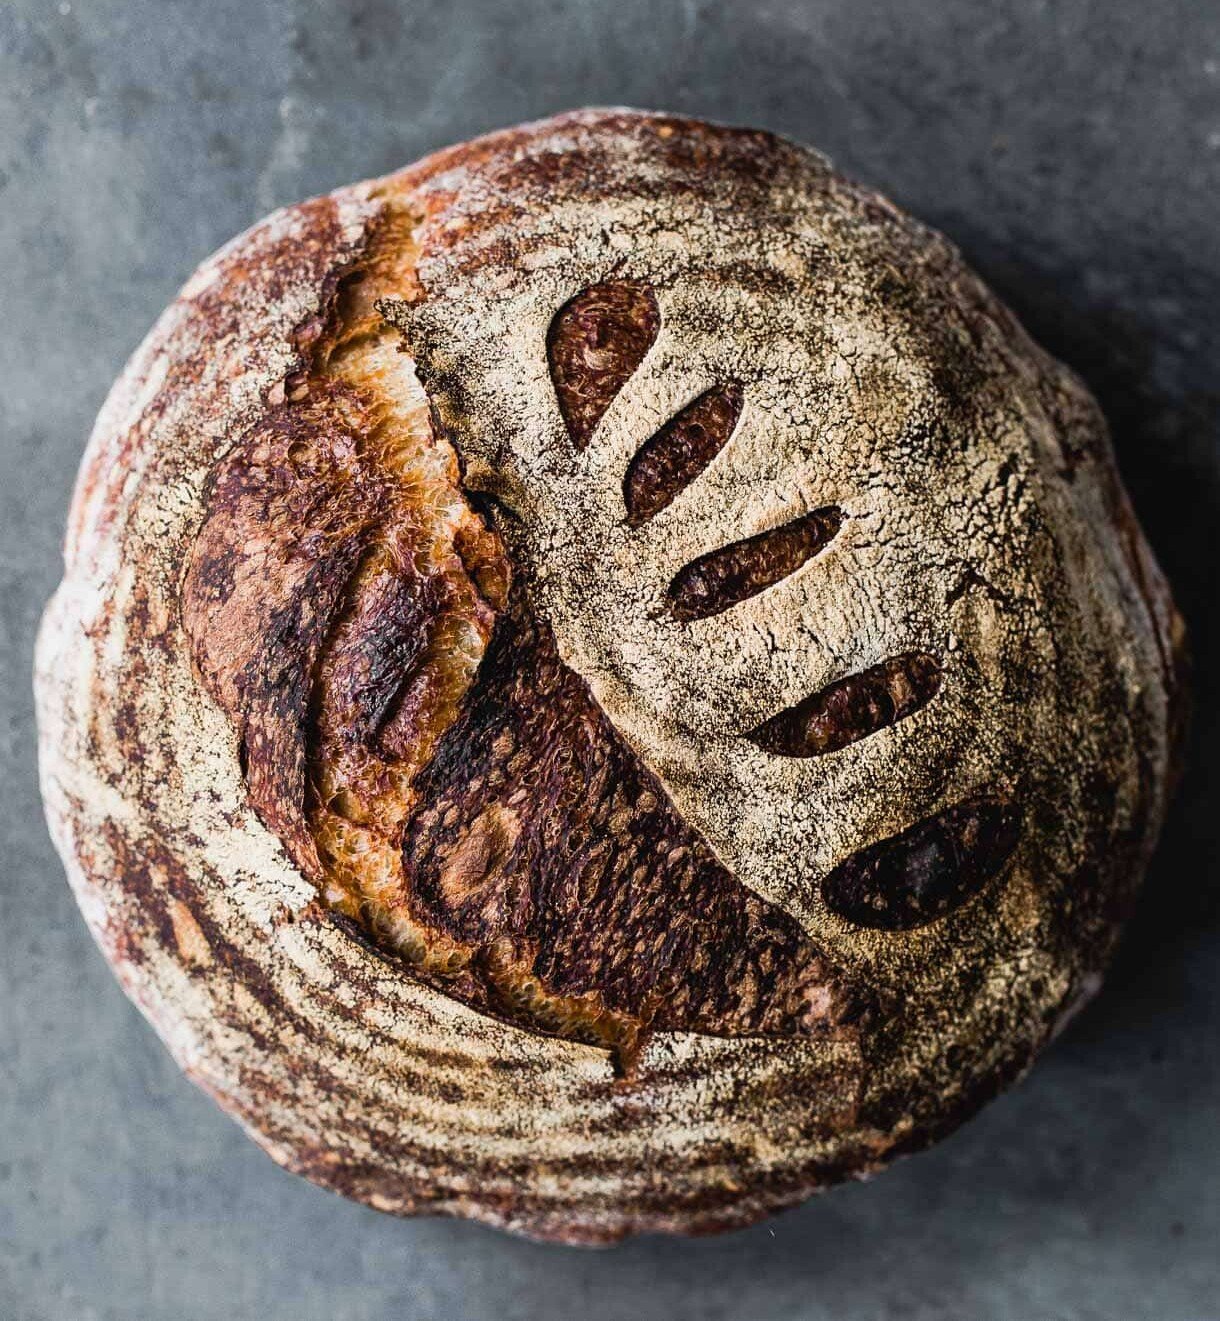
(1073, 150)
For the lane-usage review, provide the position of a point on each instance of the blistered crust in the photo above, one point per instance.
(978, 501)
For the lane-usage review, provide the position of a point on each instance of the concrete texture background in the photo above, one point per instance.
(1073, 150)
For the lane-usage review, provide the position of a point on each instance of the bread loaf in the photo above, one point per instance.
(602, 683)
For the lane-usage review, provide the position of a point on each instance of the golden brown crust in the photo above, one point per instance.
(816, 562)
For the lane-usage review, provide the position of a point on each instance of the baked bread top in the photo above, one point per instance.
(602, 682)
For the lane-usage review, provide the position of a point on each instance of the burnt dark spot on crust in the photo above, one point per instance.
(732, 574)
(852, 708)
(666, 465)
(928, 870)
(595, 343)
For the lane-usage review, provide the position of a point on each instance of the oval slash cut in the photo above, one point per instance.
(595, 343)
(852, 708)
(666, 464)
(927, 871)
(725, 577)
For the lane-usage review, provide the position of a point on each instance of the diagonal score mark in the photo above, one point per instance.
(727, 576)
(928, 870)
(665, 465)
(852, 708)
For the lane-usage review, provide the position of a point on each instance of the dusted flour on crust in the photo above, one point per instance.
(602, 683)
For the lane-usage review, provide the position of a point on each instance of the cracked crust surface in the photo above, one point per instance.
(278, 748)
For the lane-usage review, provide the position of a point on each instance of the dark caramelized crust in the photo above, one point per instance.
(852, 708)
(292, 510)
(724, 577)
(665, 465)
(540, 835)
(929, 869)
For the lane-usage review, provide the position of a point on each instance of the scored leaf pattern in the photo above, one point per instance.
(928, 870)
(852, 708)
(596, 343)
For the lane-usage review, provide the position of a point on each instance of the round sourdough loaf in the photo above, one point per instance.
(602, 683)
